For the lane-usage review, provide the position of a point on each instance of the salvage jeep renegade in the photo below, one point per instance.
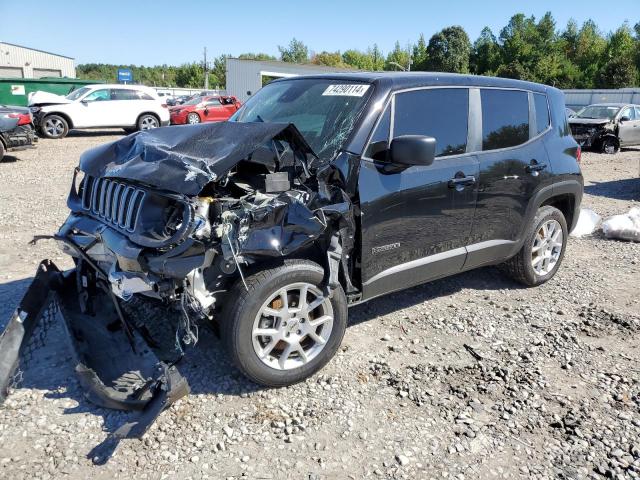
(319, 193)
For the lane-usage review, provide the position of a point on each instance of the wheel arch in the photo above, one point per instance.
(154, 114)
(66, 117)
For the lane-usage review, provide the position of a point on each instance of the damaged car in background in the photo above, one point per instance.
(319, 193)
(607, 126)
(16, 129)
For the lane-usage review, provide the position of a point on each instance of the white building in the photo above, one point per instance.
(23, 62)
(246, 77)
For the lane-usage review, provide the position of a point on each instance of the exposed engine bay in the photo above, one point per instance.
(264, 197)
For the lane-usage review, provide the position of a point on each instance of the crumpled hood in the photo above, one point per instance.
(39, 97)
(184, 159)
(588, 121)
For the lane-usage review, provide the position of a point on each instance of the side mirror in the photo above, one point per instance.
(413, 150)
(84, 102)
(625, 118)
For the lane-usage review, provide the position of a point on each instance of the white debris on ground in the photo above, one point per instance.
(588, 222)
(623, 227)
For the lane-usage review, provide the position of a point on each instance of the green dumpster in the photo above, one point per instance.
(14, 91)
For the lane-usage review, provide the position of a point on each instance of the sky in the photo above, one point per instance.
(159, 32)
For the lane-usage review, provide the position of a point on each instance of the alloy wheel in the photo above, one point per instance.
(547, 247)
(54, 127)
(148, 123)
(292, 327)
(193, 118)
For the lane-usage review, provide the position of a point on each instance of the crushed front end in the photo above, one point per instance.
(163, 223)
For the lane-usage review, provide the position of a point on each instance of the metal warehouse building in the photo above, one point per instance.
(245, 77)
(577, 99)
(22, 62)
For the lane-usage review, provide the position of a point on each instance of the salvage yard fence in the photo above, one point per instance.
(576, 99)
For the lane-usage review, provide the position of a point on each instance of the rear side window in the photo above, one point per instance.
(505, 118)
(140, 95)
(441, 113)
(542, 112)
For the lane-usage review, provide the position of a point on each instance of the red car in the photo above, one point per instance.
(204, 109)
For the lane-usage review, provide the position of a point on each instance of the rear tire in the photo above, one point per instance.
(54, 126)
(543, 250)
(2, 151)
(148, 121)
(271, 336)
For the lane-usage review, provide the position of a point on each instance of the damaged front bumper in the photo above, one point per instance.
(114, 364)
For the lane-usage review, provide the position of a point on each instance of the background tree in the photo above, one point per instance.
(397, 56)
(296, 52)
(449, 51)
(485, 54)
(419, 55)
(329, 59)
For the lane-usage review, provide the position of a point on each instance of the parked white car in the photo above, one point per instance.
(132, 107)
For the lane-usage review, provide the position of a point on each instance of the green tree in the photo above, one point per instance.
(296, 52)
(190, 75)
(419, 55)
(485, 55)
(619, 72)
(449, 51)
(397, 56)
(330, 59)
(256, 56)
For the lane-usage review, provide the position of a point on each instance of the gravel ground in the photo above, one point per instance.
(467, 377)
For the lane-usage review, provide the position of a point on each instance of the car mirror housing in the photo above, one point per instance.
(625, 118)
(413, 150)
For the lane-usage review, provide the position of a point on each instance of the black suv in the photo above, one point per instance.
(320, 192)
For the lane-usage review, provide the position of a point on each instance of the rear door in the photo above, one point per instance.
(514, 165)
(416, 220)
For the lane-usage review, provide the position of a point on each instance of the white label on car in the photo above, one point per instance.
(346, 90)
(17, 89)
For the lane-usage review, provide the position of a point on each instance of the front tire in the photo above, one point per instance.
(543, 250)
(54, 126)
(282, 329)
(609, 146)
(2, 151)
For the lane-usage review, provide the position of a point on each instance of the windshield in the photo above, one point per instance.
(598, 111)
(323, 110)
(76, 94)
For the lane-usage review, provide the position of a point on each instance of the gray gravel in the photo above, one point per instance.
(467, 377)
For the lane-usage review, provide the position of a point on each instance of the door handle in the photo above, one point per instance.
(461, 181)
(535, 167)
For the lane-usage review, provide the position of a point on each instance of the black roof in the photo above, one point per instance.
(402, 80)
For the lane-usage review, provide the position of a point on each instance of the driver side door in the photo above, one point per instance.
(629, 130)
(416, 220)
(96, 109)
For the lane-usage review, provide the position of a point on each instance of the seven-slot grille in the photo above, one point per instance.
(115, 202)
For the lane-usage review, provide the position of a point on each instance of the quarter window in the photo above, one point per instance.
(379, 144)
(505, 118)
(441, 113)
(542, 112)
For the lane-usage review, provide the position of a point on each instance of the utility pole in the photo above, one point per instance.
(206, 70)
